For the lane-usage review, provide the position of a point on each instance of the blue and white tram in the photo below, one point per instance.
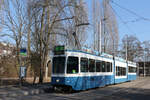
(131, 71)
(80, 70)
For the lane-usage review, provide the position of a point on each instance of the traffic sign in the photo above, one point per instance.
(23, 52)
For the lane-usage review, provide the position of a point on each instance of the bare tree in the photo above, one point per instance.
(41, 24)
(75, 30)
(110, 29)
(97, 18)
(105, 27)
(131, 46)
(1, 13)
(14, 22)
(49, 20)
(146, 51)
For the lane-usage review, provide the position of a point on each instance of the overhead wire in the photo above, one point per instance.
(122, 21)
(132, 12)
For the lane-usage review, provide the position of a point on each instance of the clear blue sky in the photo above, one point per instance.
(140, 28)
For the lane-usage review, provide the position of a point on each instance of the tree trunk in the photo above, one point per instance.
(41, 46)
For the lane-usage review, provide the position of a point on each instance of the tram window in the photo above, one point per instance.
(108, 66)
(119, 71)
(129, 70)
(103, 66)
(116, 70)
(92, 65)
(124, 71)
(58, 65)
(98, 66)
(72, 65)
(84, 64)
(132, 69)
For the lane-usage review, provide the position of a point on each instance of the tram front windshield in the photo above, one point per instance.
(59, 65)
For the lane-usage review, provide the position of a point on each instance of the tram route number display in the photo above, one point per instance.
(59, 50)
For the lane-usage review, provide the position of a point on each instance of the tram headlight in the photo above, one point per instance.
(57, 80)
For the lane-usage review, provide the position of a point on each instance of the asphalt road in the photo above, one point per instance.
(135, 90)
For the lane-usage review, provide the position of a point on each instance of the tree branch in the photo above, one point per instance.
(67, 18)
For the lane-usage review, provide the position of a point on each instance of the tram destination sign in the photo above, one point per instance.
(59, 50)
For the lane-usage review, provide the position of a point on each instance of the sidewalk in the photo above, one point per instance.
(15, 90)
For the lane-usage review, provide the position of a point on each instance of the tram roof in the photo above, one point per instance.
(60, 50)
(104, 55)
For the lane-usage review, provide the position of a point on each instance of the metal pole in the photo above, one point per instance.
(94, 22)
(104, 26)
(127, 55)
(20, 80)
(127, 49)
(144, 62)
(100, 37)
